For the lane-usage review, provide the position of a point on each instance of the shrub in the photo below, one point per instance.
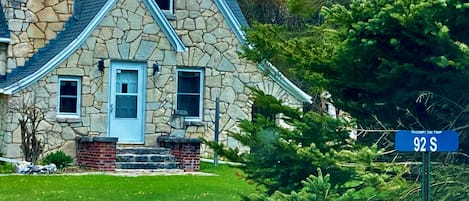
(59, 158)
(6, 168)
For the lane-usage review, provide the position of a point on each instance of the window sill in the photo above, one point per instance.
(194, 123)
(169, 16)
(68, 119)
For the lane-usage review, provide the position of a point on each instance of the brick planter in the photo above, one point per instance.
(185, 150)
(97, 153)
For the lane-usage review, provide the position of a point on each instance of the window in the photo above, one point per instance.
(166, 6)
(69, 91)
(190, 93)
(126, 94)
(259, 110)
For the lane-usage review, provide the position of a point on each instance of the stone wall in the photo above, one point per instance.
(32, 24)
(55, 134)
(129, 33)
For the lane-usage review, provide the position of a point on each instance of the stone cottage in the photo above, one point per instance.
(132, 69)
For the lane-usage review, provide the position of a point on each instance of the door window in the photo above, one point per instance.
(126, 93)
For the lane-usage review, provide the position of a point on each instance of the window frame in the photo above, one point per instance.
(171, 7)
(78, 96)
(201, 93)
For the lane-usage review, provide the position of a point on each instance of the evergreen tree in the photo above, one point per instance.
(280, 158)
(402, 62)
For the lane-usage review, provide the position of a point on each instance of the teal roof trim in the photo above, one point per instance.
(286, 84)
(164, 24)
(274, 73)
(232, 20)
(56, 60)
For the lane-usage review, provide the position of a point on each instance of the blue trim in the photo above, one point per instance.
(5, 40)
(231, 19)
(286, 84)
(62, 55)
(75, 114)
(273, 73)
(168, 30)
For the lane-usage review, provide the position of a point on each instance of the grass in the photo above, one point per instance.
(227, 186)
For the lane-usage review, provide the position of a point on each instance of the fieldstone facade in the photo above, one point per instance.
(129, 33)
(32, 24)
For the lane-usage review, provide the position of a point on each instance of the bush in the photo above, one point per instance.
(59, 158)
(6, 168)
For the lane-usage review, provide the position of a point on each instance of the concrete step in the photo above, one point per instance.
(147, 165)
(145, 158)
(143, 150)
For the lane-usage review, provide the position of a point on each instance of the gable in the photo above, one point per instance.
(235, 19)
(160, 18)
(86, 17)
(87, 14)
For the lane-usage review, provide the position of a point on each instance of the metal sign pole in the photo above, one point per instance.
(426, 176)
(217, 125)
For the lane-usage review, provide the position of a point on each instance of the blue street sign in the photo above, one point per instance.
(426, 141)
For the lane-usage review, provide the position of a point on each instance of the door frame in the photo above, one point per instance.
(141, 67)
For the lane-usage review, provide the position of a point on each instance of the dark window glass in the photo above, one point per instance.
(258, 110)
(68, 105)
(68, 96)
(124, 88)
(189, 82)
(68, 88)
(163, 4)
(188, 93)
(126, 106)
(189, 104)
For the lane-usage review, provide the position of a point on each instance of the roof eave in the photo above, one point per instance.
(164, 24)
(231, 19)
(273, 72)
(276, 75)
(64, 54)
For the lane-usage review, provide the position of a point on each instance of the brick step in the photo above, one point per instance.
(145, 158)
(143, 150)
(147, 165)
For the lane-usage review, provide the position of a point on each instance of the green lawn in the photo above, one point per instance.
(226, 186)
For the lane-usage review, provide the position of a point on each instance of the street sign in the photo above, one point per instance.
(426, 141)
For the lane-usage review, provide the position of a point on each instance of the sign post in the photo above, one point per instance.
(426, 142)
(426, 166)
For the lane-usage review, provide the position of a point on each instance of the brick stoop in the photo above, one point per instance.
(145, 158)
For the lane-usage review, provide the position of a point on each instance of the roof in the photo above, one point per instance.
(234, 6)
(4, 31)
(236, 20)
(163, 22)
(86, 16)
(53, 53)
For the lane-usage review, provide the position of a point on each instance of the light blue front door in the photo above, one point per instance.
(126, 104)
